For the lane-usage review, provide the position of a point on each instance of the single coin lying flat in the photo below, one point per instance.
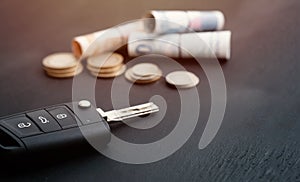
(182, 79)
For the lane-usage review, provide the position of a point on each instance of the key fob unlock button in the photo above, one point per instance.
(63, 116)
(21, 126)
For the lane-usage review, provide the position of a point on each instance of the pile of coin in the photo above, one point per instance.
(182, 79)
(62, 65)
(158, 32)
(143, 73)
(106, 65)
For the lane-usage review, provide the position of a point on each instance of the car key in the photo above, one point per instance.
(62, 126)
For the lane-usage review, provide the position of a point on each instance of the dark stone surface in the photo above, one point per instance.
(259, 137)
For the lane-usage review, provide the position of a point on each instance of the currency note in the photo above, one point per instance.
(105, 40)
(165, 22)
(199, 45)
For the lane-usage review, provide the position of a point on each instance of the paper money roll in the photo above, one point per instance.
(188, 45)
(165, 22)
(104, 41)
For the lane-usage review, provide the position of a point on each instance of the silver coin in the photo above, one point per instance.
(182, 79)
(186, 86)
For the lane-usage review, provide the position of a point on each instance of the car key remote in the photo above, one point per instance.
(63, 125)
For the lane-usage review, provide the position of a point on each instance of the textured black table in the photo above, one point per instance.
(259, 136)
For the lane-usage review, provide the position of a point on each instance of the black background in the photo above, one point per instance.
(259, 136)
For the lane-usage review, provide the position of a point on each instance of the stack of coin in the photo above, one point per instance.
(106, 65)
(62, 65)
(182, 79)
(143, 73)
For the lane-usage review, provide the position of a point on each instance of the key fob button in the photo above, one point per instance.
(21, 126)
(44, 120)
(87, 115)
(63, 116)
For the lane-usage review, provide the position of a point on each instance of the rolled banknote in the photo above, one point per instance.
(188, 45)
(105, 40)
(165, 22)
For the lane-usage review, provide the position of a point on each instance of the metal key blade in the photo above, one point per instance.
(130, 112)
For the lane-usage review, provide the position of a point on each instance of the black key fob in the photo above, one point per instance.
(56, 127)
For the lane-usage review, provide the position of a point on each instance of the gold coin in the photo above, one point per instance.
(110, 75)
(145, 78)
(60, 71)
(182, 79)
(108, 60)
(105, 70)
(130, 76)
(145, 69)
(148, 81)
(61, 60)
(68, 74)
